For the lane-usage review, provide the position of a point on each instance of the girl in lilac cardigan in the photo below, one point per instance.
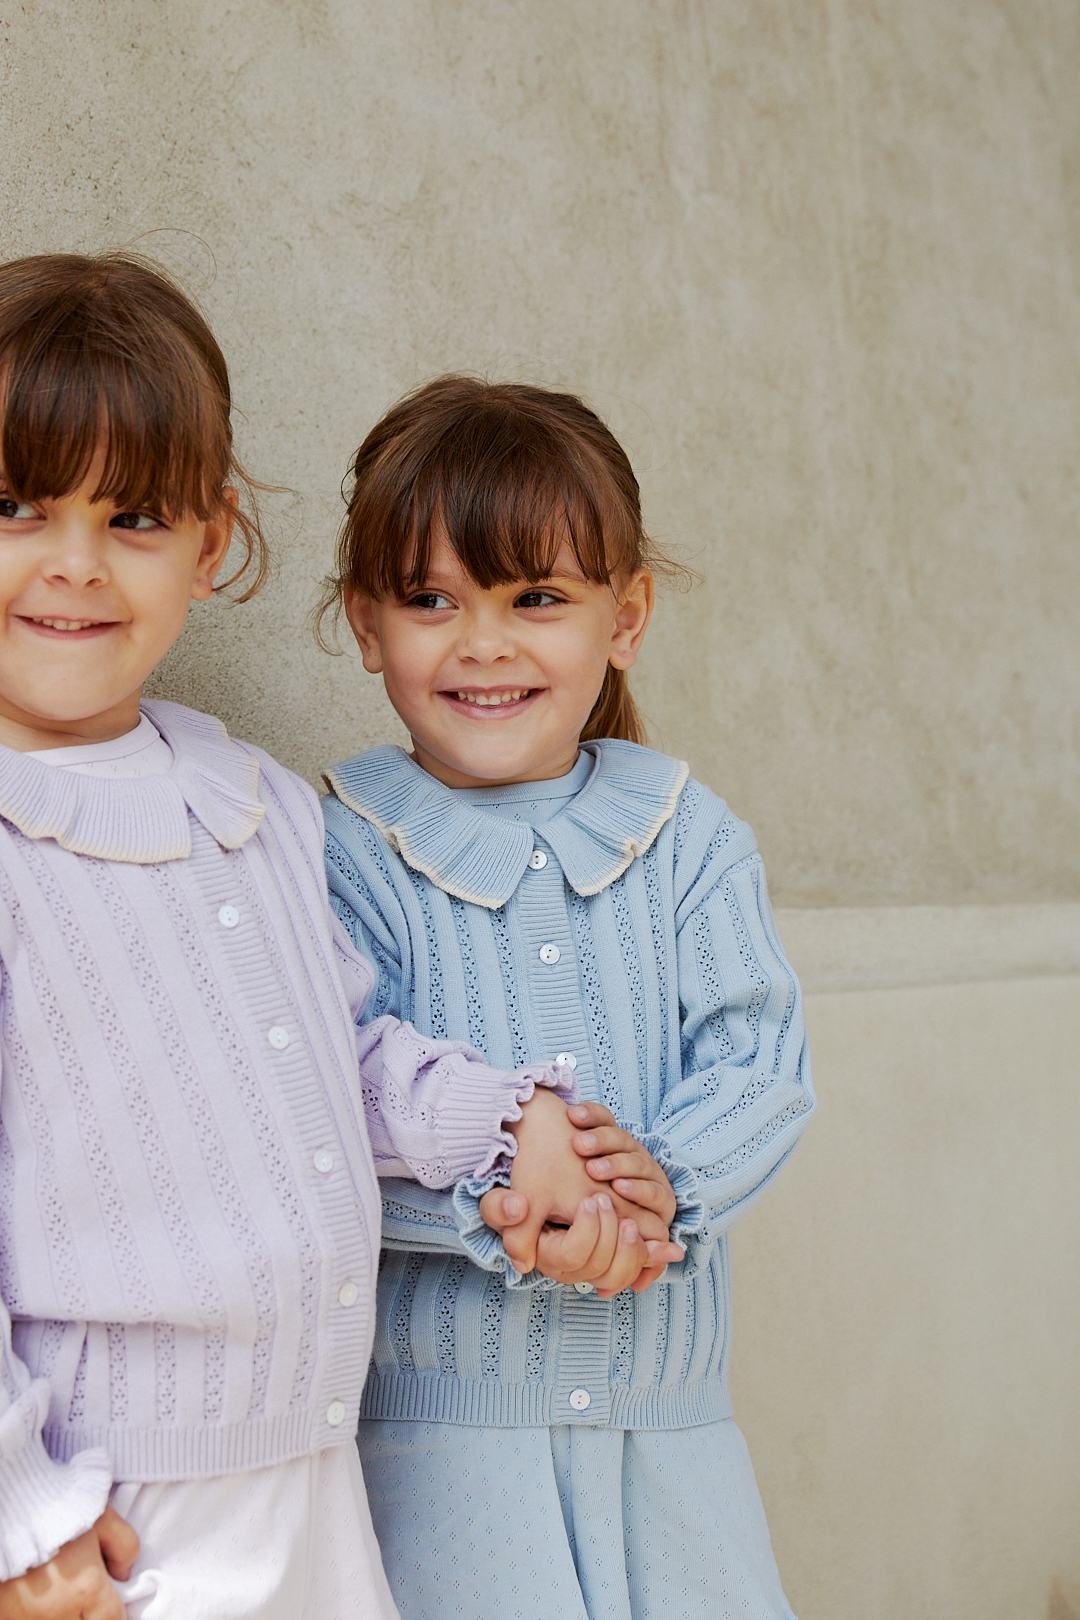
(189, 1220)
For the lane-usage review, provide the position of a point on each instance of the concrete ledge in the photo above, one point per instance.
(848, 948)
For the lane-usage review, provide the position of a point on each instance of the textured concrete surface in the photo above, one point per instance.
(817, 263)
(906, 1312)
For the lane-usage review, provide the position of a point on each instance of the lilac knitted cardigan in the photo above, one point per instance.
(189, 1217)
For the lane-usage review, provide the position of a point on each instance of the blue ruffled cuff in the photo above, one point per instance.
(483, 1246)
(689, 1226)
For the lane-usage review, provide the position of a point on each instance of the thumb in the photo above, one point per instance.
(521, 1239)
(118, 1542)
(501, 1208)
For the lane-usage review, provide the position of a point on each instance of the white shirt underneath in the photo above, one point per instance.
(142, 752)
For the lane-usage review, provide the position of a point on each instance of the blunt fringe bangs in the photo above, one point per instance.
(107, 353)
(509, 473)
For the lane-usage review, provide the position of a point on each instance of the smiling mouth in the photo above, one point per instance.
(491, 704)
(66, 627)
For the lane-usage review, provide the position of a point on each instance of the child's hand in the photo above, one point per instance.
(554, 1181)
(620, 1258)
(78, 1583)
(613, 1155)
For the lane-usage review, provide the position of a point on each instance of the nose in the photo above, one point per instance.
(78, 555)
(486, 636)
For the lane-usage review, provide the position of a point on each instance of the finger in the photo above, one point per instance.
(655, 1195)
(501, 1208)
(634, 1166)
(607, 1242)
(587, 1114)
(564, 1253)
(660, 1256)
(119, 1543)
(605, 1139)
(520, 1241)
(629, 1258)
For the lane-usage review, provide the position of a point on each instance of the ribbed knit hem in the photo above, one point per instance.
(45, 1503)
(200, 1450)
(515, 1406)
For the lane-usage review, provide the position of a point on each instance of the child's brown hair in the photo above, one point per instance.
(106, 351)
(509, 472)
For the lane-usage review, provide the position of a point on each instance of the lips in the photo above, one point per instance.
(495, 703)
(488, 700)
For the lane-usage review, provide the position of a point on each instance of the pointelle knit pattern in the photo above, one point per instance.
(190, 1125)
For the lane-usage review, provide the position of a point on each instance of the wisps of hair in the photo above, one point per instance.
(107, 353)
(509, 473)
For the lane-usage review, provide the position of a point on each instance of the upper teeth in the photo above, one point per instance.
(487, 699)
(67, 624)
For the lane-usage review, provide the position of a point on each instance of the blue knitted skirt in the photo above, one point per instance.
(570, 1523)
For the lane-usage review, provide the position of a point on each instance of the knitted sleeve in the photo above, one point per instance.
(435, 1111)
(43, 1503)
(745, 1094)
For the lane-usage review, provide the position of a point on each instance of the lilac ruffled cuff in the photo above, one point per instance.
(43, 1503)
(555, 1077)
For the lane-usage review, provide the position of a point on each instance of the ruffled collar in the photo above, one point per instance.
(141, 819)
(480, 856)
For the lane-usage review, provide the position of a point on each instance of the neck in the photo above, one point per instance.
(29, 733)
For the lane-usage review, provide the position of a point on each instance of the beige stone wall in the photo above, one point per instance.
(906, 1304)
(817, 263)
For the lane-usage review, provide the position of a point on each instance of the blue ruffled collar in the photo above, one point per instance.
(141, 819)
(479, 856)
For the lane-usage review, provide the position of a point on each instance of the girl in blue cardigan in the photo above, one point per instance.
(530, 878)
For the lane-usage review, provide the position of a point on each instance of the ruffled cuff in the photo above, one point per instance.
(43, 1503)
(521, 1083)
(483, 1245)
(689, 1226)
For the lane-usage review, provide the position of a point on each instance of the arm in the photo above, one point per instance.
(43, 1504)
(745, 1095)
(434, 1109)
(417, 1218)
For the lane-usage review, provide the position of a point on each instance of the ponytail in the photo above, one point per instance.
(615, 714)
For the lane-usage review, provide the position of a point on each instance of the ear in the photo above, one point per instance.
(215, 543)
(360, 612)
(633, 610)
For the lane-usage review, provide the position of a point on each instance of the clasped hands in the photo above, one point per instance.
(586, 1202)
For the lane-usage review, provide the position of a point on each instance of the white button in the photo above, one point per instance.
(278, 1037)
(567, 1059)
(228, 916)
(324, 1161)
(538, 860)
(335, 1414)
(583, 1288)
(348, 1294)
(550, 954)
(580, 1399)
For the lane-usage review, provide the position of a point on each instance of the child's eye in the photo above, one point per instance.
(538, 599)
(137, 522)
(428, 601)
(12, 511)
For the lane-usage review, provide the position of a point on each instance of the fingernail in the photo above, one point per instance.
(628, 1232)
(601, 1164)
(587, 1140)
(514, 1204)
(604, 1201)
(591, 1203)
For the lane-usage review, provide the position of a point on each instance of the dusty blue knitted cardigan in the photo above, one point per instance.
(632, 931)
